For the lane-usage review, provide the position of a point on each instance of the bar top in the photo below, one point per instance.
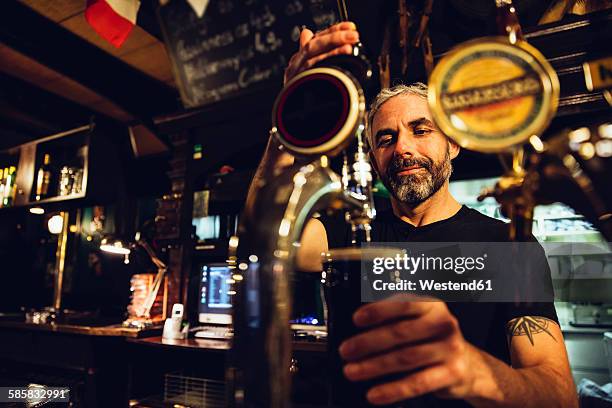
(86, 329)
(158, 341)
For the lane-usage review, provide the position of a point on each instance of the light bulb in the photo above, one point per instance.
(55, 224)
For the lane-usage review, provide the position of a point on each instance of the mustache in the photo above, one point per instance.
(399, 163)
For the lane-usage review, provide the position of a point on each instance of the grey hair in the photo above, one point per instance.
(416, 88)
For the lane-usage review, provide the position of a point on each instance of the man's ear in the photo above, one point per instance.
(453, 148)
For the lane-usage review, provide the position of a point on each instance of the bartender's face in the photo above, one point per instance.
(411, 155)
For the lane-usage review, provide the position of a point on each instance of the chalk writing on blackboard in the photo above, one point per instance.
(237, 46)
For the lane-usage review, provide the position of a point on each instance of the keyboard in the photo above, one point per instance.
(215, 332)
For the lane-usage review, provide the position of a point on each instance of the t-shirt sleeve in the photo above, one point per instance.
(535, 282)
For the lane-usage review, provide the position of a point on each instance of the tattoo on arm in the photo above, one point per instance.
(528, 326)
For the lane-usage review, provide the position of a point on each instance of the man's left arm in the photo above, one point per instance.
(424, 339)
(540, 374)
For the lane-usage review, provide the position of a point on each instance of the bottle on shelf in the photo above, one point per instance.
(43, 178)
(70, 179)
(10, 188)
(2, 182)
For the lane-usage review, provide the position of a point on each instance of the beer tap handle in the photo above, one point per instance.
(556, 11)
(507, 20)
(486, 193)
(342, 10)
(384, 69)
(360, 67)
(428, 59)
(518, 160)
(404, 25)
(423, 23)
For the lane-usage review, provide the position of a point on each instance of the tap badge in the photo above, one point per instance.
(489, 95)
(318, 111)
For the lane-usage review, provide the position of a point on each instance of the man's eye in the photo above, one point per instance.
(422, 131)
(384, 140)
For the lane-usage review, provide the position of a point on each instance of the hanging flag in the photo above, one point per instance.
(113, 20)
(199, 6)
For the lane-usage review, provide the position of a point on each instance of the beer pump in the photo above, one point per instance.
(494, 95)
(498, 95)
(319, 114)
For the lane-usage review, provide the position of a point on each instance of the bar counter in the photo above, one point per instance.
(90, 359)
(89, 328)
(108, 365)
(208, 344)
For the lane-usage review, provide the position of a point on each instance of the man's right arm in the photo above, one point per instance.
(335, 40)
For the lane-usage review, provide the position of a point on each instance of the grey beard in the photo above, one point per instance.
(416, 188)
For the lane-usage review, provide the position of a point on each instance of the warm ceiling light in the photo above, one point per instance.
(114, 246)
(37, 210)
(605, 130)
(55, 224)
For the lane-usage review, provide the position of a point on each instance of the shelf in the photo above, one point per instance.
(559, 217)
(567, 233)
(57, 198)
(81, 161)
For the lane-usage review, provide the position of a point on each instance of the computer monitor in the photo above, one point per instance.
(207, 228)
(214, 305)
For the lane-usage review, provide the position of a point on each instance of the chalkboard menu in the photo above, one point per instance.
(237, 46)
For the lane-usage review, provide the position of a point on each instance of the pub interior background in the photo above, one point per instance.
(161, 137)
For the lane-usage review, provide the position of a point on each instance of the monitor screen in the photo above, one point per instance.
(214, 295)
(207, 227)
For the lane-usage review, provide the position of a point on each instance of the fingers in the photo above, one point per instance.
(322, 43)
(345, 49)
(396, 307)
(305, 36)
(432, 326)
(337, 39)
(295, 67)
(345, 25)
(401, 360)
(419, 383)
(318, 45)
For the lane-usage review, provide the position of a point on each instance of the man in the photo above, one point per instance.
(488, 355)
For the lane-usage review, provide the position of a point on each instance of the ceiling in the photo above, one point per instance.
(66, 64)
(55, 71)
(141, 50)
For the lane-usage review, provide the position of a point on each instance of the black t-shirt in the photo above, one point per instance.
(482, 324)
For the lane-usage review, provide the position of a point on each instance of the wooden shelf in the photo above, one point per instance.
(57, 198)
(85, 150)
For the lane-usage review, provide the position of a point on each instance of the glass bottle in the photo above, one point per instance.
(43, 178)
(9, 186)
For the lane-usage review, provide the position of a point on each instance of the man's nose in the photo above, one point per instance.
(406, 145)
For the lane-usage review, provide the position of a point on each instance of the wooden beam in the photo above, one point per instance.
(31, 112)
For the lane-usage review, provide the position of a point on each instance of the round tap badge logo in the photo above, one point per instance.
(489, 95)
(318, 111)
